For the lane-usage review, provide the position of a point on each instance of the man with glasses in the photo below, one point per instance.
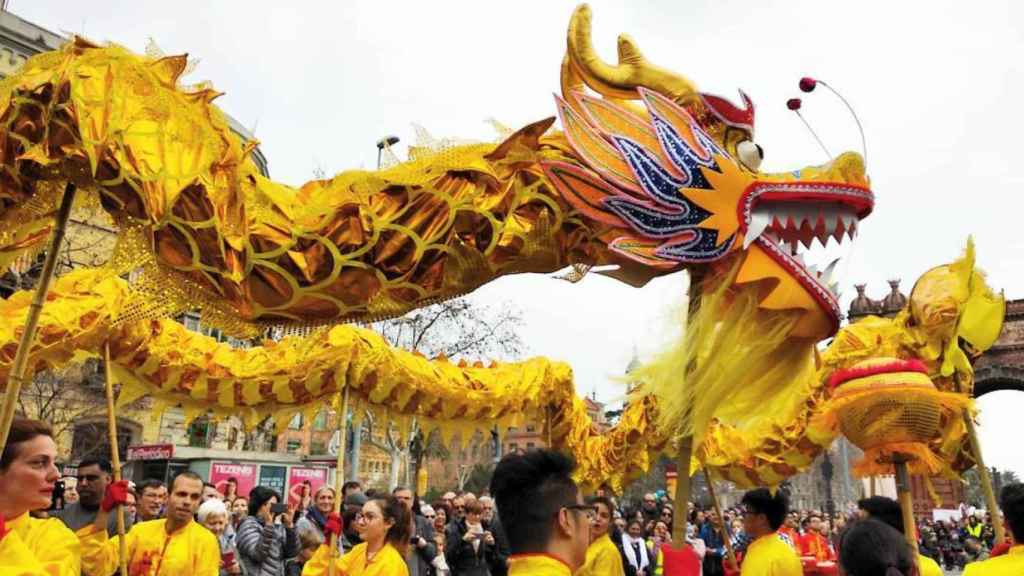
(93, 477)
(767, 554)
(542, 513)
(152, 497)
(423, 549)
(499, 567)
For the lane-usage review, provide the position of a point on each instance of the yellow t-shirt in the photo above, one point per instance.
(1010, 564)
(35, 547)
(603, 559)
(537, 565)
(770, 556)
(928, 566)
(387, 562)
(191, 550)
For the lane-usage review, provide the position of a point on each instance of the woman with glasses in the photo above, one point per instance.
(384, 527)
(603, 557)
(470, 545)
(27, 477)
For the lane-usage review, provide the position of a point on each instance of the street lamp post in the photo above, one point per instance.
(385, 142)
(827, 470)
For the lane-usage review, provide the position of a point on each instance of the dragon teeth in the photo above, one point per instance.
(759, 221)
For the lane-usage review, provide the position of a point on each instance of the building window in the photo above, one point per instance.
(320, 422)
(531, 428)
(317, 447)
(529, 445)
(513, 447)
(294, 446)
(200, 432)
(296, 423)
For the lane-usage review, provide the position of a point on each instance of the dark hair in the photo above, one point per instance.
(372, 493)
(872, 548)
(530, 489)
(400, 532)
(629, 524)
(101, 463)
(761, 501)
(1011, 500)
(441, 505)
(209, 485)
(884, 510)
(350, 485)
(187, 474)
(258, 496)
(607, 502)
(398, 489)
(149, 484)
(22, 430)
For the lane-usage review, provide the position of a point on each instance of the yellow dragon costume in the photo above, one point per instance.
(647, 177)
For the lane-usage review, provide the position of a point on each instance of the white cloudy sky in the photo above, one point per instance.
(938, 86)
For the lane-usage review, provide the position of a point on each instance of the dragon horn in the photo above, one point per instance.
(632, 71)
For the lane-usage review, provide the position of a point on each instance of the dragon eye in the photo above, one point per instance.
(750, 154)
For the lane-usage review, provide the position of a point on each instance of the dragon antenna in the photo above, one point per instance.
(807, 84)
(794, 104)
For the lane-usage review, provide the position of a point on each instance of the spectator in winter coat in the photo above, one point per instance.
(470, 546)
(265, 540)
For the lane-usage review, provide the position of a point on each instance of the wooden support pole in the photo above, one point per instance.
(682, 496)
(17, 376)
(986, 480)
(339, 474)
(906, 501)
(115, 457)
(729, 552)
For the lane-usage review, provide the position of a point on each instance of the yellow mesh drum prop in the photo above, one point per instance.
(890, 409)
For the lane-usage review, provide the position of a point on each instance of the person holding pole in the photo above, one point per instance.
(30, 546)
(385, 528)
(169, 546)
(94, 475)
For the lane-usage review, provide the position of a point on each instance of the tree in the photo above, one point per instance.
(454, 329)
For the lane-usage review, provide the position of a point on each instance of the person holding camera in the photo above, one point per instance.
(470, 546)
(266, 538)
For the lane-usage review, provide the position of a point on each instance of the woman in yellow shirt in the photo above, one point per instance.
(385, 530)
(30, 546)
(603, 558)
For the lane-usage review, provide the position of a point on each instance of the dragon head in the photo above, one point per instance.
(672, 178)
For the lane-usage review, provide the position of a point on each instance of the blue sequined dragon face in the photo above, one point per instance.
(670, 196)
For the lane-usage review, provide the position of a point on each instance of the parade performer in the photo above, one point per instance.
(542, 511)
(31, 546)
(384, 528)
(169, 546)
(813, 543)
(603, 558)
(767, 554)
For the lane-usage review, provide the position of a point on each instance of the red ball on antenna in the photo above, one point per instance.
(807, 84)
(793, 104)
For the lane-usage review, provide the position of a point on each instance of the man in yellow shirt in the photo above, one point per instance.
(166, 547)
(542, 512)
(888, 511)
(1011, 500)
(603, 557)
(767, 554)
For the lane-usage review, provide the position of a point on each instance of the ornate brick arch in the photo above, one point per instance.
(1002, 367)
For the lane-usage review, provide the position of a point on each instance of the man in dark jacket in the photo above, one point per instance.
(423, 549)
(469, 545)
(492, 523)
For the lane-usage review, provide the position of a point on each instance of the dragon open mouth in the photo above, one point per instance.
(792, 221)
